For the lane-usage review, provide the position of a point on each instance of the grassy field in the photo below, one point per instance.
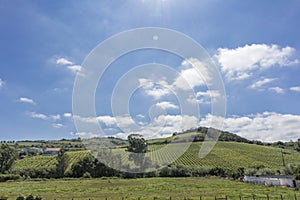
(162, 188)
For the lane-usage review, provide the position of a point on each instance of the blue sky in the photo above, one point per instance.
(255, 45)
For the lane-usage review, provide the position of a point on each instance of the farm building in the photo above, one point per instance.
(51, 151)
(271, 180)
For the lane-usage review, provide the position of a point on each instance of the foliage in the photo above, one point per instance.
(62, 163)
(6, 177)
(29, 197)
(83, 166)
(7, 157)
(137, 144)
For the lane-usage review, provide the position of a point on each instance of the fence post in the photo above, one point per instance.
(281, 197)
(254, 197)
(240, 197)
(295, 196)
(268, 197)
(200, 197)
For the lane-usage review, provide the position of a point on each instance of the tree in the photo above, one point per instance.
(84, 165)
(62, 163)
(138, 147)
(7, 157)
(137, 144)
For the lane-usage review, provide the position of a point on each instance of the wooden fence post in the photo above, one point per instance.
(268, 197)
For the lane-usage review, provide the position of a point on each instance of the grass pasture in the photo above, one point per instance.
(162, 188)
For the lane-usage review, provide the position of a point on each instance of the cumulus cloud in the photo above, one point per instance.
(1, 83)
(261, 82)
(37, 115)
(207, 96)
(155, 89)
(295, 88)
(278, 90)
(166, 105)
(75, 68)
(44, 117)
(160, 126)
(63, 61)
(70, 65)
(57, 125)
(240, 63)
(26, 100)
(195, 73)
(266, 126)
(67, 115)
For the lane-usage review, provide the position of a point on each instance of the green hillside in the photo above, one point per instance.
(228, 155)
(232, 155)
(41, 162)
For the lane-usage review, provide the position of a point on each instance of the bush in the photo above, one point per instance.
(217, 171)
(200, 171)
(20, 198)
(30, 197)
(86, 175)
(250, 171)
(6, 177)
(265, 172)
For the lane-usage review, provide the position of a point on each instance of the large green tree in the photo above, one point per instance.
(137, 144)
(7, 157)
(62, 163)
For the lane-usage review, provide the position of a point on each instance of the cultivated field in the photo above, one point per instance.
(228, 155)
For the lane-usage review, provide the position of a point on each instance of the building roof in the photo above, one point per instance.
(52, 149)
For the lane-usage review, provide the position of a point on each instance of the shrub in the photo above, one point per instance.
(20, 198)
(6, 177)
(87, 175)
(30, 197)
(251, 171)
(200, 171)
(265, 172)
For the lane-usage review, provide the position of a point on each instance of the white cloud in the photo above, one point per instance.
(267, 126)
(262, 82)
(52, 118)
(278, 90)
(161, 126)
(75, 68)
(107, 120)
(63, 61)
(208, 96)
(155, 89)
(57, 125)
(26, 100)
(240, 63)
(166, 105)
(86, 134)
(295, 88)
(37, 115)
(196, 73)
(1, 83)
(67, 115)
